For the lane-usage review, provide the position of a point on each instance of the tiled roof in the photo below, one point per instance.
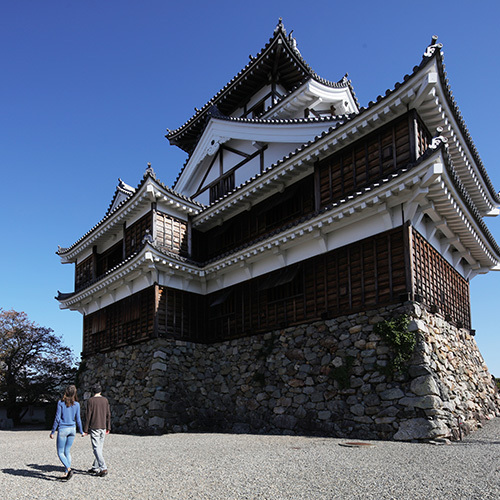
(149, 173)
(272, 121)
(303, 73)
(380, 182)
(284, 121)
(468, 201)
(462, 125)
(436, 53)
(123, 189)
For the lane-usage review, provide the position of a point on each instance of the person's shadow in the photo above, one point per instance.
(47, 472)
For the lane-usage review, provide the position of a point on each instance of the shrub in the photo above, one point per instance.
(395, 332)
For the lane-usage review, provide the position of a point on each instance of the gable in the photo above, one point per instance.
(245, 147)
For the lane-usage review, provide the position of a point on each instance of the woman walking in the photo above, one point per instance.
(67, 418)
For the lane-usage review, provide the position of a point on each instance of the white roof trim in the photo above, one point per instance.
(219, 131)
(149, 192)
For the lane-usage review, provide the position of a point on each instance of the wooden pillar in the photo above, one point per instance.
(153, 221)
(124, 246)
(317, 187)
(94, 262)
(189, 237)
(408, 237)
(413, 131)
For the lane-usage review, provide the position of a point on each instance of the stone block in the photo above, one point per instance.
(424, 386)
(156, 405)
(317, 397)
(324, 415)
(394, 393)
(358, 410)
(385, 420)
(6, 424)
(371, 400)
(421, 429)
(285, 422)
(300, 399)
(158, 365)
(428, 402)
(363, 419)
(157, 422)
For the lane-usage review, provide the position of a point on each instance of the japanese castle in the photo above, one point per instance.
(299, 221)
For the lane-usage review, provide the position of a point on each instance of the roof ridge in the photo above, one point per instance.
(279, 33)
(435, 49)
(149, 173)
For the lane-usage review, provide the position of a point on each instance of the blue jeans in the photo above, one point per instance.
(65, 438)
(97, 439)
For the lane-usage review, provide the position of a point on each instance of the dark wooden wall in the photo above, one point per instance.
(181, 315)
(84, 273)
(388, 268)
(124, 322)
(373, 157)
(359, 276)
(136, 232)
(278, 210)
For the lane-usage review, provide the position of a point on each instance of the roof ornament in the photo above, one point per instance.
(280, 27)
(148, 238)
(432, 47)
(124, 187)
(438, 139)
(293, 42)
(150, 171)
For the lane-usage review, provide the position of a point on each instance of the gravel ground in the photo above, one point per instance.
(234, 467)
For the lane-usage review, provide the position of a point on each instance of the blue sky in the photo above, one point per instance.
(88, 90)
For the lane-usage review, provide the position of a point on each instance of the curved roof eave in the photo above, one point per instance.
(428, 57)
(240, 124)
(279, 37)
(461, 123)
(185, 265)
(135, 197)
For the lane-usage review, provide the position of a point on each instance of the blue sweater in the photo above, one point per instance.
(67, 416)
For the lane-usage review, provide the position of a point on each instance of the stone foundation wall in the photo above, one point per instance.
(326, 378)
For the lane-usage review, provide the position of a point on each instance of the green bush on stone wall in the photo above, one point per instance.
(403, 342)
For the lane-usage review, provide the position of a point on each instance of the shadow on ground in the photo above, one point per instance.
(36, 471)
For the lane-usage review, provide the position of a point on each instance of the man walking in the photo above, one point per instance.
(98, 421)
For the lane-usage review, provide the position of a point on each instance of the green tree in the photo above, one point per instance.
(34, 364)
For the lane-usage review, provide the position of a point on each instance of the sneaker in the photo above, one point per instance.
(69, 475)
(102, 473)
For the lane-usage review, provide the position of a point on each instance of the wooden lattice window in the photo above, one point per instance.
(109, 259)
(171, 233)
(135, 234)
(365, 161)
(84, 273)
(437, 284)
(222, 187)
